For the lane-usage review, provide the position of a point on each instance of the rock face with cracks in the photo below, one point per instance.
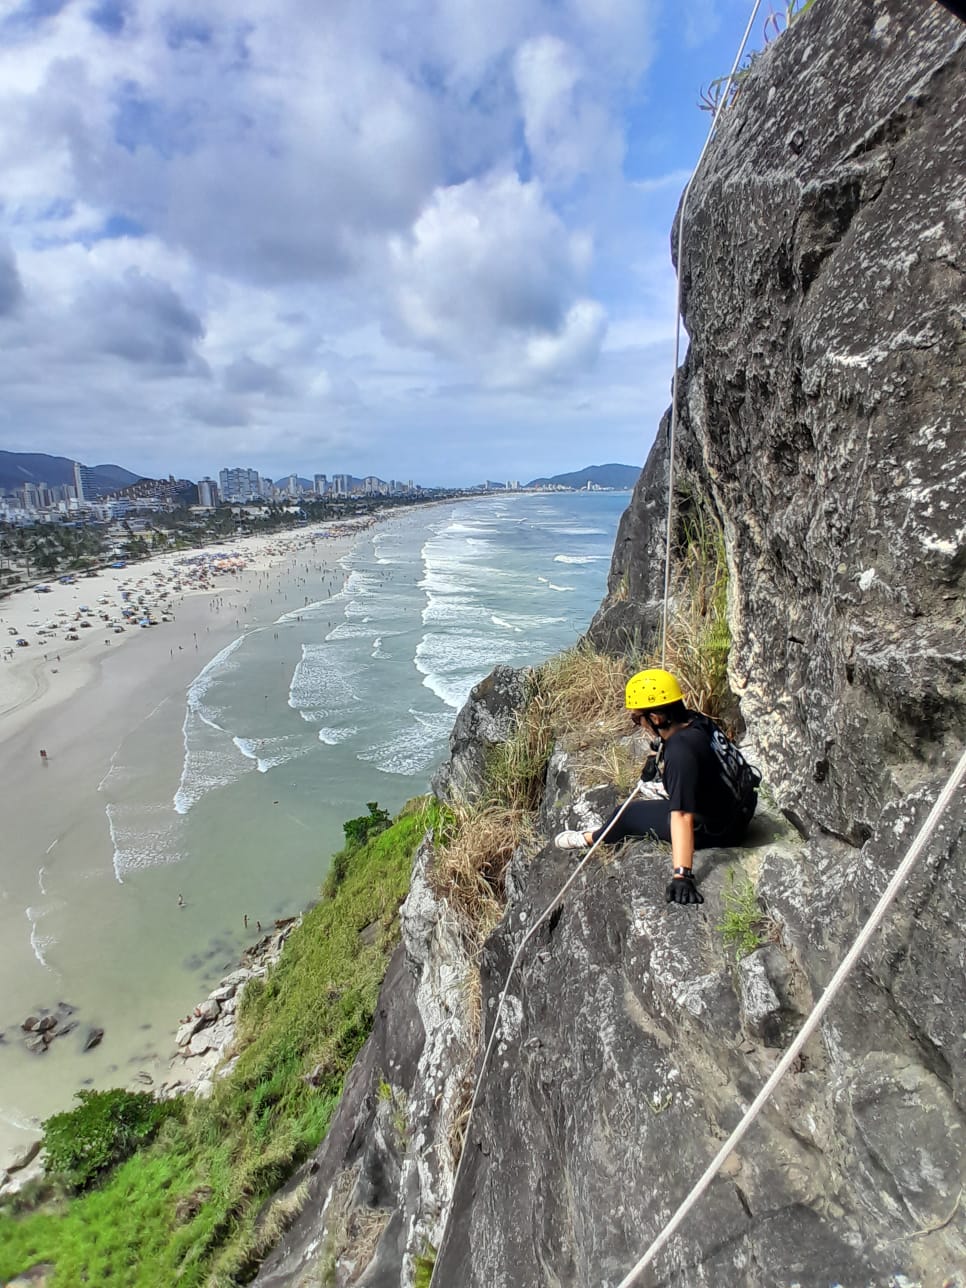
(822, 406)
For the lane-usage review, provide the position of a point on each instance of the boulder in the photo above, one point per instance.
(38, 1276)
(30, 1023)
(187, 1030)
(208, 1010)
(237, 977)
(26, 1157)
(200, 1042)
(761, 1007)
(487, 719)
(94, 1038)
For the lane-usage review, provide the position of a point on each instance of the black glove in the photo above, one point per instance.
(683, 890)
(649, 770)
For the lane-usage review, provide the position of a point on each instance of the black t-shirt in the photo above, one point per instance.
(694, 782)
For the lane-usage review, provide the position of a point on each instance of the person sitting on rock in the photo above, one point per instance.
(707, 793)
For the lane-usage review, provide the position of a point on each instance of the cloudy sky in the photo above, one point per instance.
(416, 238)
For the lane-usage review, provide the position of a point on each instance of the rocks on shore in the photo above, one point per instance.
(204, 1037)
(41, 1029)
(24, 1168)
(203, 1040)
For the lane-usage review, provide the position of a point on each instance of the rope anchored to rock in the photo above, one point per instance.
(811, 1024)
(495, 1030)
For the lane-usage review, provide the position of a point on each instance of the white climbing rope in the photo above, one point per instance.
(722, 103)
(554, 903)
(811, 1024)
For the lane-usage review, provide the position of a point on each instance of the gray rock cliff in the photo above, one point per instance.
(823, 405)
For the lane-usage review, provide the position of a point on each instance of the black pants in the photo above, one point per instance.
(653, 818)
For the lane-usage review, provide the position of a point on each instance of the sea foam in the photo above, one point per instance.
(206, 765)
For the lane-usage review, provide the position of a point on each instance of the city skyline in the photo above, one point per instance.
(94, 495)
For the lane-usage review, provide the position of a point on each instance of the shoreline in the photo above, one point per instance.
(201, 1052)
(123, 947)
(100, 698)
(27, 684)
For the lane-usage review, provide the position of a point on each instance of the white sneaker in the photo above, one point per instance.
(570, 841)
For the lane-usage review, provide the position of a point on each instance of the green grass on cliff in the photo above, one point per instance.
(188, 1209)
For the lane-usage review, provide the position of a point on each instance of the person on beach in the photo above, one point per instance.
(707, 793)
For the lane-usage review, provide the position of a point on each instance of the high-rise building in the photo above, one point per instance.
(207, 493)
(86, 483)
(340, 484)
(239, 484)
(320, 483)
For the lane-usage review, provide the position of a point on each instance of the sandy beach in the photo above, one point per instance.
(82, 704)
(51, 667)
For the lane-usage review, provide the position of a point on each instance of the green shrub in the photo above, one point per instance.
(360, 830)
(743, 922)
(82, 1144)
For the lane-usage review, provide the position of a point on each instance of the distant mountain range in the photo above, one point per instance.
(18, 468)
(621, 477)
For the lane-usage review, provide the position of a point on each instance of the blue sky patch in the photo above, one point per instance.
(187, 31)
(140, 121)
(30, 15)
(119, 226)
(110, 16)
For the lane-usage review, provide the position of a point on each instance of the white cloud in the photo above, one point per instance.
(490, 276)
(143, 321)
(568, 131)
(658, 183)
(307, 227)
(574, 346)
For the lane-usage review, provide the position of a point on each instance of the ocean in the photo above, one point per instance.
(340, 688)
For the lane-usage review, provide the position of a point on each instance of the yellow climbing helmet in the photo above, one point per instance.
(648, 690)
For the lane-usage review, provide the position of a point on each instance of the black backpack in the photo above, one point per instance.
(743, 780)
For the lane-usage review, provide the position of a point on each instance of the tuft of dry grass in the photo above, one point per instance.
(470, 865)
(616, 763)
(516, 769)
(583, 694)
(459, 1121)
(473, 1003)
(353, 1234)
